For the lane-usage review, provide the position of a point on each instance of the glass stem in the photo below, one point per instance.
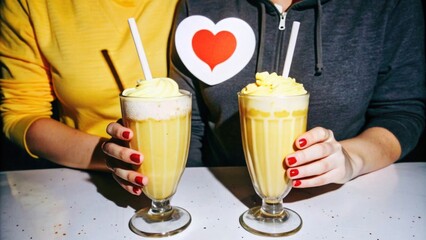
(273, 209)
(160, 207)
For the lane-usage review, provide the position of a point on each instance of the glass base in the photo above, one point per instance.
(149, 224)
(257, 222)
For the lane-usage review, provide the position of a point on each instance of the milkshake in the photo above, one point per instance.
(273, 113)
(160, 117)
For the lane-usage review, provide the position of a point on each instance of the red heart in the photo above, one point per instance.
(213, 49)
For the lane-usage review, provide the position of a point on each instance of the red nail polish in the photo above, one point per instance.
(294, 172)
(138, 180)
(291, 161)
(302, 142)
(297, 183)
(135, 157)
(125, 134)
(135, 190)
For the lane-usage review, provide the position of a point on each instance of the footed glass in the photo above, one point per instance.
(161, 129)
(269, 127)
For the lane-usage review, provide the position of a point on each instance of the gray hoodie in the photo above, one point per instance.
(362, 62)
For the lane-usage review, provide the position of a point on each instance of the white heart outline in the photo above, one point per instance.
(246, 42)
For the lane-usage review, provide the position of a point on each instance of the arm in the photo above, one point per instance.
(27, 95)
(395, 118)
(66, 146)
(73, 148)
(373, 149)
(321, 159)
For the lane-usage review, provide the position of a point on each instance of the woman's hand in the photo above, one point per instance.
(319, 160)
(121, 160)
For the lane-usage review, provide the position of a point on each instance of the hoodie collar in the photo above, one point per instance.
(297, 5)
(268, 7)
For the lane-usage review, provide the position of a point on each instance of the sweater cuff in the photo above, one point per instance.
(19, 132)
(407, 135)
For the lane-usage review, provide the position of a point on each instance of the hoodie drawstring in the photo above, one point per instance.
(318, 40)
(262, 27)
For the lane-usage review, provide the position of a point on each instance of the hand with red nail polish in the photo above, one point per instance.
(122, 160)
(318, 160)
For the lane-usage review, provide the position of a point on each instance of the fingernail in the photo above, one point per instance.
(297, 183)
(136, 190)
(138, 180)
(291, 161)
(125, 134)
(302, 142)
(294, 172)
(135, 157)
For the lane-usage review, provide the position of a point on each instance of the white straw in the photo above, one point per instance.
(139, 48)
(290, 50)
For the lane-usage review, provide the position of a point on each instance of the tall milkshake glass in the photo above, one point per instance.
(161, 127)
(269, 127)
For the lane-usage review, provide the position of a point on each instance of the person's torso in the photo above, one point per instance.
(351, 52)
(92, 54)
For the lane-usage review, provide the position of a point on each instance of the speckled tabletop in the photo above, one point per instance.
(72, 204)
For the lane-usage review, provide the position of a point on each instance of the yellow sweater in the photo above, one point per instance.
(78, 52)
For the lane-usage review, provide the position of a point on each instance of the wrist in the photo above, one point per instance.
(353, 163)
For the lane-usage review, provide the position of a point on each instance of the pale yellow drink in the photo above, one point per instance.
(269, 128)
(271, 120)
(161, 126)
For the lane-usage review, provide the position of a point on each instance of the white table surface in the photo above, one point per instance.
(73, 204)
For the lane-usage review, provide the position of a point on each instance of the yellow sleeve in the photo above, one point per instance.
(26, 93)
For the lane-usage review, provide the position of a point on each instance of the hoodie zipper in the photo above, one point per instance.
(279, 41)
(283, 14)
(281, 25)
(281, 28)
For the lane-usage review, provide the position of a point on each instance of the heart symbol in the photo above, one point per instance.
(214, 53)
(213, 49)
